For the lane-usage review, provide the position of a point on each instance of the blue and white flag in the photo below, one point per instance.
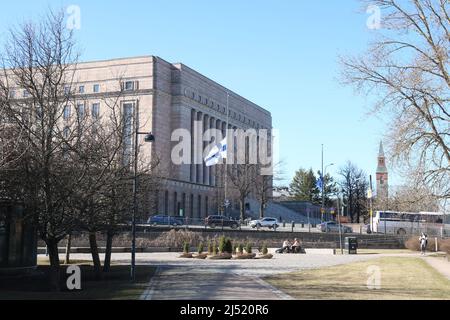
(217, 153)
(319, 183)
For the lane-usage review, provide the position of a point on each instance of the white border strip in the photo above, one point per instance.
(148, 293)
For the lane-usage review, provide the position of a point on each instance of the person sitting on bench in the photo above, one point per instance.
(286, 247)
(296, 247)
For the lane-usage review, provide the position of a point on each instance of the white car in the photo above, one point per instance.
(270, 223)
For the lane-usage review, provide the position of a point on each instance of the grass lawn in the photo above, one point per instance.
(115, 285)
(401, 278)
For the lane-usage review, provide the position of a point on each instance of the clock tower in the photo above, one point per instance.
(382, 175)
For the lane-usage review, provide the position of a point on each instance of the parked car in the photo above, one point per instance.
(164, 220)
(219, 221)
(270, 223)
(332, 226)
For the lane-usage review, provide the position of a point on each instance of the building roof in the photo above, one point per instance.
(381, 151)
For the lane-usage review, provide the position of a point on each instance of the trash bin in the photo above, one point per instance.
(351, 245)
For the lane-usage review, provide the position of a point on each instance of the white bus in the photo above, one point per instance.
(402, 223)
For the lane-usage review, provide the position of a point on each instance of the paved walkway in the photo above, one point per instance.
(188, 279)
(442, 265)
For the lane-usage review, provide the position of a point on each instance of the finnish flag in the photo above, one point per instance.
(217, 153)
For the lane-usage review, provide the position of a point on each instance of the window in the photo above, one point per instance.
(129, 86)
(95, 110)
(81, 110)
(96, 88)
(66, 90)
(26, 94)
(66, 132)
(12, 94)
(81, 89)
(66, 114)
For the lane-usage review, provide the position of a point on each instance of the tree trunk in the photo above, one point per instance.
(242, 207)
(109, 241)
(52, 248)
(261, 210)
(68, 247)
(95, 255)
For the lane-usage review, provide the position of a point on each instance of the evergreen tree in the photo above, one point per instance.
(304, 186)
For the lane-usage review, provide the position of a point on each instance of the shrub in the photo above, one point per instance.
(210, 247)
(235, 247)
(176, 239)
(241, 248)
(222, 241)
(186, 247)
(228, 248)
(445, 246)
(264, 249)
(214, 251)
(200, 248)
(248, 247)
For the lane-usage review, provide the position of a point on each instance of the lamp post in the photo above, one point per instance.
(323, 184)
(148, 138)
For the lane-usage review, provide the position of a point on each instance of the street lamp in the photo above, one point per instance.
(323, 187)
(149, 137)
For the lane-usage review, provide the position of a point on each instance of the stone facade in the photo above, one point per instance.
(173, 96)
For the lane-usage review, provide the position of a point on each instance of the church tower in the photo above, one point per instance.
(382, 175)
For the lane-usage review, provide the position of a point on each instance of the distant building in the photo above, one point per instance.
(382, 176)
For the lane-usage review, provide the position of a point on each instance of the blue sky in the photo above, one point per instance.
(281, 55)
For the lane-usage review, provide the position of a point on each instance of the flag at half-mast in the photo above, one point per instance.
(217, 153)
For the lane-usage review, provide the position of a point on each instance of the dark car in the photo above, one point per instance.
(219, 221)
(164, 220)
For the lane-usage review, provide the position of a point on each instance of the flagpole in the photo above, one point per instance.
(323, 196)
(225, 163)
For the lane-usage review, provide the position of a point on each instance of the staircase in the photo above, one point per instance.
(276, 210)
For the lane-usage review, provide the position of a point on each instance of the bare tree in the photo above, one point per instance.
(407, 67)
(413, 198)
(354, 185)
(242, 178)
(263, 186)
(39, 61)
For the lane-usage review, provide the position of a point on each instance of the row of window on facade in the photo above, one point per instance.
(232, 114)
(81, 89)
(82, 111)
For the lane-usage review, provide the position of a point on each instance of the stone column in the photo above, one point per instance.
(199, 149)
(193, 174)
(205, 143)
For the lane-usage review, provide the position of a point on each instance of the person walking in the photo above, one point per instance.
(423, 243)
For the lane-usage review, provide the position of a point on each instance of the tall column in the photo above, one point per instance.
(205, 143)
(199, 149)
(193, 166)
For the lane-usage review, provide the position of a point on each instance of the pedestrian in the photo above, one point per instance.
(423, 243)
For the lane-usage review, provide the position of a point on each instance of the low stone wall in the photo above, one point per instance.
(272, 239)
